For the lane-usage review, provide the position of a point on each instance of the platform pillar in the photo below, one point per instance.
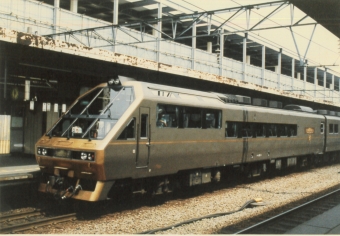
(115, 22)
(209, 47)
(324, 82)
(304, 76)
(332, 87)
(221, 52)
(74, 6)
(279, 59)
(315, 80)
(159, 28)
(193, 46)
(245, 57)
(263, 69)
(293, 72)
(56, 16)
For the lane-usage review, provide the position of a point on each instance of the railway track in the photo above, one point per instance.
(19, 222)
(289, 219)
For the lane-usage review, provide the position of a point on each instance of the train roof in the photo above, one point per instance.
(216, 100)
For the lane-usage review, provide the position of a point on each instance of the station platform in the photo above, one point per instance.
(16, 168)
(326, 223)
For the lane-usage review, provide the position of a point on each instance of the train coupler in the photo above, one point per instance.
(71, 190)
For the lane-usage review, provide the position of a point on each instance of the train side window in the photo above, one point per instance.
(283, 130)
(292, 130)
(212, 119)
(259, 130)
(246, 131)
(129, 131)
(192, 117)
(271, 130)
(336, 128)
(231, 129)
(331, 128)
(144, 126)
(167, 116)
(322, 128)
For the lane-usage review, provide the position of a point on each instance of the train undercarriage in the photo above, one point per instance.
(189, 178)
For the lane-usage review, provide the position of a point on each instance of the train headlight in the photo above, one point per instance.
(43, 151)
(83, 155)
(86, 156)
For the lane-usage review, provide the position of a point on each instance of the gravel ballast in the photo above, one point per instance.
(275, 193)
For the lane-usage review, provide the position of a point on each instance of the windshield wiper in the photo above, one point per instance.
(82, 112)
(104, 110)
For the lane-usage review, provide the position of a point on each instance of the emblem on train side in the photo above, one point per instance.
(309, 130)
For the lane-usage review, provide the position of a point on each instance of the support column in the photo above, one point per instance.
(293, 72)
(115, 22)
(332, 88)
(315, 80)
(324, 82)
(221, 51)
(209, 47)
(263, 70)
(304, 76)
(193, 46)
(56, 16)
(74, 6)
(115, 11)
(159, 27)
(245, 57)
(5, 79)
(279, 59)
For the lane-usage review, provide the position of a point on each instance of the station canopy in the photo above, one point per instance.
(325, 12)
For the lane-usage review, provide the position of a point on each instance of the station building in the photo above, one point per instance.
(52, 51)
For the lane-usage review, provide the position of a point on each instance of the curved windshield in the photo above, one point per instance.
(93, 115)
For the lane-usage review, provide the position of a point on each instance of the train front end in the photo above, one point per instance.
(71, 154)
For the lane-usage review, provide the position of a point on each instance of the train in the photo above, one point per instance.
(140, 137)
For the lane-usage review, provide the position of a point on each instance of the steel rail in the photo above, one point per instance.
(19, 215)
(246, 230)
(38, 223)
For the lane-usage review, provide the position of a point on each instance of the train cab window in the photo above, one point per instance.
(322, 128)
(93, 114)
(336, 129)
(331, 128)
(129, 131)
(102, 128)
(144, 126)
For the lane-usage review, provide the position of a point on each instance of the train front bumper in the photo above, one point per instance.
(100, 191)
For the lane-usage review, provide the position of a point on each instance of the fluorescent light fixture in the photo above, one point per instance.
(188, 19)
(44, 67)
(203, 24)
(175, 12)
(151, 7)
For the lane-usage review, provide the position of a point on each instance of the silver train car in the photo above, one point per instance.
(143, 137)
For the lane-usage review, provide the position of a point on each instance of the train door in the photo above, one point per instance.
(143, 139)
